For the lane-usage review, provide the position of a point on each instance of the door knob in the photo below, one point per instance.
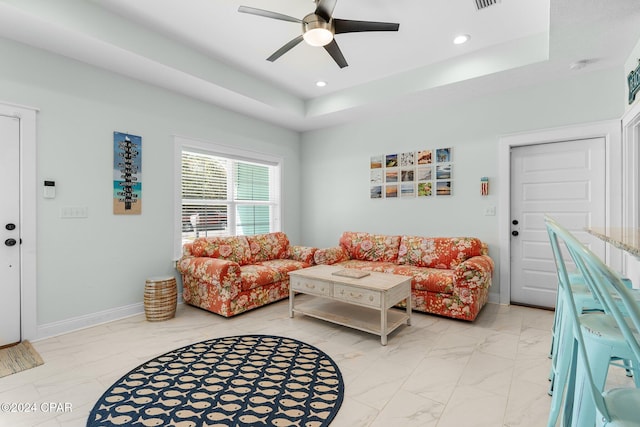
(10, 226)
(514, 233)
(10, 242)
(514, 222)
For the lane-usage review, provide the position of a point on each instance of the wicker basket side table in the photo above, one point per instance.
(160, 298)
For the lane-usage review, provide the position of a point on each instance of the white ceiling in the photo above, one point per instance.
(208, 50)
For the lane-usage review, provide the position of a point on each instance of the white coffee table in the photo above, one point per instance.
(359, 303)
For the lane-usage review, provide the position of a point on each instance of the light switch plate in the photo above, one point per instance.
(74, 212)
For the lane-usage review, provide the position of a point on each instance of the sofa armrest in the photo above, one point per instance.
(474, 273)
(331, 255)
(222, 274)
(302, 253)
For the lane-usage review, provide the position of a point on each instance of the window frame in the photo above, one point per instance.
(235, 153)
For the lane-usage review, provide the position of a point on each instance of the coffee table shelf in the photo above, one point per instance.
(356, 317)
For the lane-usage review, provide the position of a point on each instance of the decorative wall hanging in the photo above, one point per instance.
(127, 174)
(633, 81)
(422, 173)
(484, 186)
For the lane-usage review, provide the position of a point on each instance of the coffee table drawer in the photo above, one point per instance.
(356, 295)
(314, 287)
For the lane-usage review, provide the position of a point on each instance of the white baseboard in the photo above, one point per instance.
(494, 298)
(53, 329)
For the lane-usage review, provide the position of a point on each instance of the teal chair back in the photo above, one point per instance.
(606, 286)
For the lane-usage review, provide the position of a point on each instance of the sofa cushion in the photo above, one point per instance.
(255, 275)
(370, 247)
(428, 279)
(304, 254)
(437, 252)
(231, 248)
(424, 279)
(284, 266)
(268, 246)
(330, 255)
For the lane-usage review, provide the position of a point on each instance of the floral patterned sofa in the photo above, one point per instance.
(451, 275)
(230, 275)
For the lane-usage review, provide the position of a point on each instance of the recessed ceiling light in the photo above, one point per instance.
(321, 83)
(462, 38)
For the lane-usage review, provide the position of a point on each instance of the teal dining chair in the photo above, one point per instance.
(588, 341)
(586, 303)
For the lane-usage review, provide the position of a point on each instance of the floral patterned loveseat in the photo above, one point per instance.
(451, 275)
(230, 275)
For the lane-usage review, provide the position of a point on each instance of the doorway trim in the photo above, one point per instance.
(631, 186)
(611, 131)
(631, 136)
(28, 207)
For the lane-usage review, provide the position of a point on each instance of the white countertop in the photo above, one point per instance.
(624, 238)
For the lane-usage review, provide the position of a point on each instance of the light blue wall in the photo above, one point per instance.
(101, 262)
(335, 161)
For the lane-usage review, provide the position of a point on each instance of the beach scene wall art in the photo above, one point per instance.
(127, 174)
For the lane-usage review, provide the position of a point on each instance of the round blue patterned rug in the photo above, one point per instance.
(249, 380)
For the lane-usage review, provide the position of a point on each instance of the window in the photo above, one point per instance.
(224, 191)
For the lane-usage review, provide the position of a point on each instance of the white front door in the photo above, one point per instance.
(567, 181)
(9, 230)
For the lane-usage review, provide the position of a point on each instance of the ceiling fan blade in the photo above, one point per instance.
(268, 14)
(348, 26)
(325, 8)
(336, 54)
(284, 49)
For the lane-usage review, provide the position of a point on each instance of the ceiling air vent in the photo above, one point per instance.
(482, 4)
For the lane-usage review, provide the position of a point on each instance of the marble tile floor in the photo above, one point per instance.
(438, 372)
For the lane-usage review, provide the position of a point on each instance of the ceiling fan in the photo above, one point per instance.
(319, 27)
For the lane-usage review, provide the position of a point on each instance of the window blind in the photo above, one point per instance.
(225, 196)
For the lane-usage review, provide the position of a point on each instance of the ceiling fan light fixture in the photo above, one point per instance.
(319, 27)
(318, 37)
(316, 31)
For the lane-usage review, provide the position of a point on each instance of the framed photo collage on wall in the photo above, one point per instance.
(423, 173)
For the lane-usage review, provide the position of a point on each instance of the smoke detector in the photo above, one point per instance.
(579, 65)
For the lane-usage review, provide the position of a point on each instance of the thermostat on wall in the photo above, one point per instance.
(49, 189)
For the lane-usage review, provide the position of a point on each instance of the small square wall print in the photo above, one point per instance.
(443, 188)
(443, 171)
(407, 175)
(391, 160)
(424, 157)
(376, 162)
(391, 191)
(443, 155)
(127, 174)
(408, 189)
(376, 191)
(424, 173)
(391, 176)
(407, 159)
(376, 176)
(425, 189)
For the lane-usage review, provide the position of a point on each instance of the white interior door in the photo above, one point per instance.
(10, 230)
(567, 181)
